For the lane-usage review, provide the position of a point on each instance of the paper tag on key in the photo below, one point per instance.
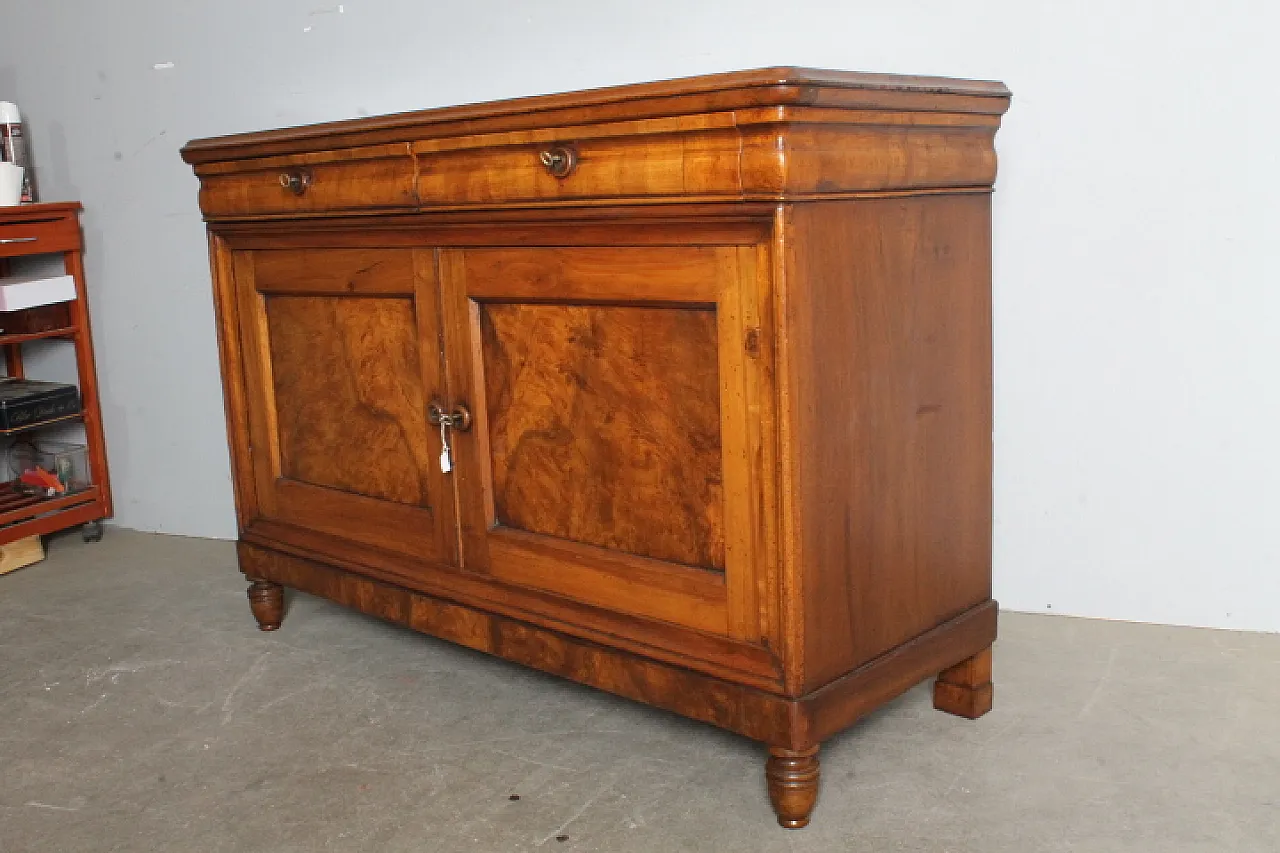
(446, 460)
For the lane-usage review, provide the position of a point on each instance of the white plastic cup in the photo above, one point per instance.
(10, 185)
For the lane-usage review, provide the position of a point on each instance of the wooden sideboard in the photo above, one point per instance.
(681, 390)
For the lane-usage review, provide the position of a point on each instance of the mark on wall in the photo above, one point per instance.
(146, 144)
(327, 10)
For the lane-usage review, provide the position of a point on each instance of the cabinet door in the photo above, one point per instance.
(615, 454)
(341, 359)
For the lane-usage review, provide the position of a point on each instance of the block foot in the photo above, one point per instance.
(965, 689)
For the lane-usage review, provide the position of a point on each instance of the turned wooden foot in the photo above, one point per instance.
(266, 600)
(965, 690)
(793, 784)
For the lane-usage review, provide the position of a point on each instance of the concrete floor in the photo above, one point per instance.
(141, 710)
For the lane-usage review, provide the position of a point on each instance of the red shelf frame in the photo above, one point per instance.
(8, 340)
(41, 229)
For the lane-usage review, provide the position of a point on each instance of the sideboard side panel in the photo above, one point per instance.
(888, 327)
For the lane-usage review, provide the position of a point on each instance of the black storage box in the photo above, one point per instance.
(24, 402)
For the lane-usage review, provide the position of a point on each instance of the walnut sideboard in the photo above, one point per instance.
(681, 390)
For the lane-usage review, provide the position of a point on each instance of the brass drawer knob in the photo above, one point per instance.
(296, 181)
(559, 160)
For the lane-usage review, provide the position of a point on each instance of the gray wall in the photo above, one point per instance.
(1136, 277)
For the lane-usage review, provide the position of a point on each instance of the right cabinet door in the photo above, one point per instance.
(620, 450)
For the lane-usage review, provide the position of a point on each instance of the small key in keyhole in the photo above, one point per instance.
(446, 459)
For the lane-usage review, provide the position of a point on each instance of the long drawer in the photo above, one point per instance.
(374, 178)
(664, 165)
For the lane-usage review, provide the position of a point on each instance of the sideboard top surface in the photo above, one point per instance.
(761, 95)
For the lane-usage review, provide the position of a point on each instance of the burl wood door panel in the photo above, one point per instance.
(604, 426)
(349, 409)
(616, 455)
(341, 360)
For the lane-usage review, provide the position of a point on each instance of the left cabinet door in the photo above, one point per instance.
(339, 359)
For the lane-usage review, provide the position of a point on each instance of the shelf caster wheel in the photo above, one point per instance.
(92, 531)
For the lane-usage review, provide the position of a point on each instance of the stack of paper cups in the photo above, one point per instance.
(10, 184)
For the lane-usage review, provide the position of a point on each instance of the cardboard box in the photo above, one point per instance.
(22, 553)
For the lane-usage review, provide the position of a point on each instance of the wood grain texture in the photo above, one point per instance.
(349, 397)
(888, 324)
(341, 272)
(803, 159)
(674, 276)
(732, 459)
(651, 128)
(724, 703)
(792, 728)
(853, 695)
(798, 724)
(334, 186)
(226, 308)
(673, 593)
(698, 650)
(744, 319)
(814, 153)
(776, 86)
(334, 396)
(604, 426)
(393, 151)
(782, 132)
(703, 163)
(667, 274)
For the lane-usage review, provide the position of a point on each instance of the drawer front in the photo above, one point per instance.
(282, 187)
(616, 455)
(37, 235)
(667, 165)
(341, 360)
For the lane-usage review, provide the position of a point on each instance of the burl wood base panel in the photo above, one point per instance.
(793, 729)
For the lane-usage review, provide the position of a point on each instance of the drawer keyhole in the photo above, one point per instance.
(296, 181)
(559, 160)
